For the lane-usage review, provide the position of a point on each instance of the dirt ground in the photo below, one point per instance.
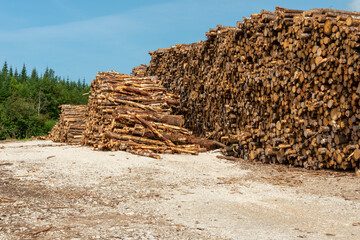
(56, 191)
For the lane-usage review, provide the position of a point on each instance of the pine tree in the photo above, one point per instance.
(68, 82)
(11, 71)
(29, 103)
(34, 75)
(16, 74)
(79, 84)
(4, 83)
(4, 71)
(23, 76)
(46, 73)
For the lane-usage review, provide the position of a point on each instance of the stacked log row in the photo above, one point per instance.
(280, 87)
(54, 134)
(139, 71)
(134, 114)
(71, 124)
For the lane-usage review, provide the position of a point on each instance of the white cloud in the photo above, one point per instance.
(148, 19)
(355, 5)
(118, 41)
(69, 31)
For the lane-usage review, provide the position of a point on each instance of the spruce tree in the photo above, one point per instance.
(34, 75)
(16, 74)
(4, 71)
(23, 76)
(11, 71)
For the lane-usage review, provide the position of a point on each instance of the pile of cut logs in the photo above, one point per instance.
(71, 124)
(134, 114)
(280, 87)
(139, 71)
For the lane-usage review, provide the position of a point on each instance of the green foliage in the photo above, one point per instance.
(29, 105)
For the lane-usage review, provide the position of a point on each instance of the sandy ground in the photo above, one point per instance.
(55, 191)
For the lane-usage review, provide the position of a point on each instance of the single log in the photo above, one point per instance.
(133, 138)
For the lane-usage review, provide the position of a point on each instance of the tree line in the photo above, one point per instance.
(29, 103)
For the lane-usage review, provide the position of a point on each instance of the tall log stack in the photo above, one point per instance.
(281, 87)
(71, 125)
(134, 114)
(139, 71)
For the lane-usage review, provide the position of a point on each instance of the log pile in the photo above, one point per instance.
(139, 71)
(134, 114)
(71, 124)
(280, 87)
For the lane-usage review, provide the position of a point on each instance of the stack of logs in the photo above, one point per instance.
(134, 114)
(139, 71)
(280, 87)
(71, 124)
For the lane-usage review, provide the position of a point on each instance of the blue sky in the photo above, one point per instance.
(77, 38)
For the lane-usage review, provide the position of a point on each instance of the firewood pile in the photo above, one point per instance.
(54, 134)
(71, 124)
(139, 71)
(280, 87)
(134, 114)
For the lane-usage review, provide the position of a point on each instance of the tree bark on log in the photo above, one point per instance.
(279, 87)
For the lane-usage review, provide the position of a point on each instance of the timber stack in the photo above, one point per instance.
(280, 87)
(71, 124)
(133, 114)
(139, 71)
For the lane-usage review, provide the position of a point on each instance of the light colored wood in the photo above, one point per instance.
(135, 114)
(281, 86)
(71, 124)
